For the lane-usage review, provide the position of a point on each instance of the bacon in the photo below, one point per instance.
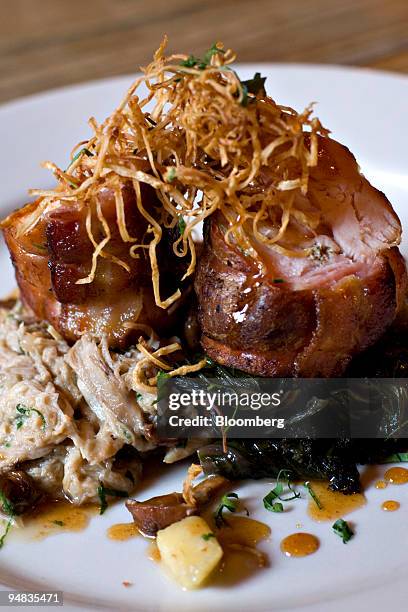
(50, 259)
(327, 294)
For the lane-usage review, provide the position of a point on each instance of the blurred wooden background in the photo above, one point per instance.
(50, 43)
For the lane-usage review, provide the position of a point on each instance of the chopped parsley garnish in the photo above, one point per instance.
(139, 396)
(313, 495)
(343, 530)
(278, 280)
(59, 523)
(229, 502)
(24, 413)
(8, 508)
(171, 174)
(8, 527)
(201, 64)
(207, 536)
(104, 492)
(269, 500)
(181, 225)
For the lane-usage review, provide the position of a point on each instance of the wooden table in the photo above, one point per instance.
(51, 43)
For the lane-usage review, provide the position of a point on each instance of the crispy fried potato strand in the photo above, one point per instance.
(211, 143)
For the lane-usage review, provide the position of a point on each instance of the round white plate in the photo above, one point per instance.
(367, 112)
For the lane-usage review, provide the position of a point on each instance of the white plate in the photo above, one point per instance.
(366, 111)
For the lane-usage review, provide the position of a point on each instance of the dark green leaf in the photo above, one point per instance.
(104, 492)
(207, 536)
(343, 530)
(255, 85)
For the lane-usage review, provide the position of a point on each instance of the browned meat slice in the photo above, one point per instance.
(57, 252)
(318, 296)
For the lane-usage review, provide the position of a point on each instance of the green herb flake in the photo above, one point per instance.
(104, 492)
(171, 174)
(278, 280)
(195, 62)
(59, 523)
(269, 500)
(24, 413)
(343, 530)
(208, 536)
(6, 505)
(229, 502)
(313, 495)
(8, 508)
(3, 537)
(181, 225)
(83, 151)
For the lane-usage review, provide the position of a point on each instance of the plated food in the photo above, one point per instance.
(298, 274)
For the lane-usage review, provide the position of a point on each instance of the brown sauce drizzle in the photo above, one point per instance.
(390, 505)
(122, 532)
(57, 517)
(239, 540)
(397, 475)
(334, 504)
(299, 545)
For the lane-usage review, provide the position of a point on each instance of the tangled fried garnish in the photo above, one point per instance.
(146, 371)
(212, 142)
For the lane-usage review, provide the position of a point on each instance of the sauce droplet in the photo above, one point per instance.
(390, 505)
(397, 475)
(334, 504)
(153, 552)
(122, 532)
(239, 540)
(299, 545)
(381, 484)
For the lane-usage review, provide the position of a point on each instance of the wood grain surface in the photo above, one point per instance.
(51, 43)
